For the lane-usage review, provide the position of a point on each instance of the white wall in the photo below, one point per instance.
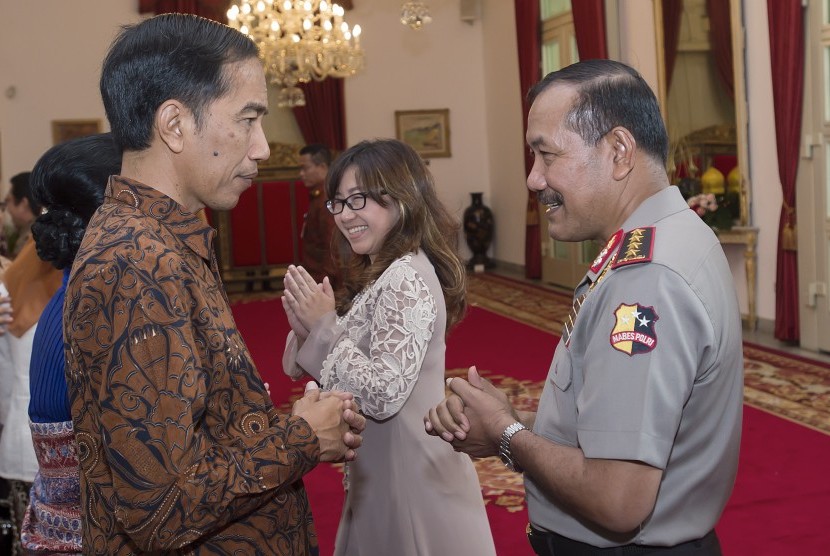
(438, 66)
(505, 135)
(55, 75)
(637, 38)
(763, 158)
(54, 67)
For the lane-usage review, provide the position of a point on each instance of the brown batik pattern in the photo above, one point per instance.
(180, 447)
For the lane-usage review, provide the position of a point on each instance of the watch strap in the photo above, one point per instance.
(504, 446)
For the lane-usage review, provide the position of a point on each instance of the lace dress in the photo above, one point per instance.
(408, 493)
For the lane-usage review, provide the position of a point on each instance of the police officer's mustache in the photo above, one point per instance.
(551, 199)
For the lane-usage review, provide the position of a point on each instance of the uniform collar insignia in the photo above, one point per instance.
(606, 252)
(637, 247)
(315, 192)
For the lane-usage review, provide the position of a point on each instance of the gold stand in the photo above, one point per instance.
(748, 237)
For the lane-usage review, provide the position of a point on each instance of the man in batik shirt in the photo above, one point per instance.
(180, 447)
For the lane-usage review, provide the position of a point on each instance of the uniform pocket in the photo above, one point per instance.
(562, 374)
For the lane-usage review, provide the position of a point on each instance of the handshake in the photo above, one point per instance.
(335, 420)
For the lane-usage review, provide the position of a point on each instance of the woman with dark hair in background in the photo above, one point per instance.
(69, 181)
(383, 340)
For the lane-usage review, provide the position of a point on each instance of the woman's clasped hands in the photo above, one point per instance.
(305, 301)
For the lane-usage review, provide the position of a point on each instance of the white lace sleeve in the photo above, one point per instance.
(399, 332)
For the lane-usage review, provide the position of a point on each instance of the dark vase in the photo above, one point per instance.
(478, 231)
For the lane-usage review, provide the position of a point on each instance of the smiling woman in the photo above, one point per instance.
(382, 338)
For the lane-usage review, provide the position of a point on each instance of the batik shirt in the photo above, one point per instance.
(180, 447)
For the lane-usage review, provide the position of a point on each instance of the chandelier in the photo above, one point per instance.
(415, 14)
(298, 41)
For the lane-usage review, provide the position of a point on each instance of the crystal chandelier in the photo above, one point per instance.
(415, 14)
(298, 41)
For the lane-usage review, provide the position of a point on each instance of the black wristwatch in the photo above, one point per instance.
(504, 446)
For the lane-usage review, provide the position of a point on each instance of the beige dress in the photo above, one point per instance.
(408, 493)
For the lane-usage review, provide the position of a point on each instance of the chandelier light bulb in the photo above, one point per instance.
(246, 8)
(415, 14)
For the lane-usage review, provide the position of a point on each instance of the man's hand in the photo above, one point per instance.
(352, 416)
(473, 417)
(333, 417)
(307, 299)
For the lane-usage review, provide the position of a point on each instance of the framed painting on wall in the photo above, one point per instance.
(64, 130)
(426, 131)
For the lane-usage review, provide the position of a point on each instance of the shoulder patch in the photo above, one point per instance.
(637, 247)
(633, 331)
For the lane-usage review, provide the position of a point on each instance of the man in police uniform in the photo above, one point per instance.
(318, 224)
(635, 443)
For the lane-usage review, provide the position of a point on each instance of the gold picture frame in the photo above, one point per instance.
(64, 130)
(426, 131)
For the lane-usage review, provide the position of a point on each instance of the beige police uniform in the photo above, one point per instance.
(653, 372)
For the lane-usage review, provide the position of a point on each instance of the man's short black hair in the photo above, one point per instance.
(170, 56)
(319, 153)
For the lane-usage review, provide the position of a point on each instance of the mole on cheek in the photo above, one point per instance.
(215, 153)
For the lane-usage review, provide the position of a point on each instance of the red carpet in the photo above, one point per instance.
(781, 499)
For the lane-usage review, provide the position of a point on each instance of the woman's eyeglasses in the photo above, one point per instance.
(355, 201)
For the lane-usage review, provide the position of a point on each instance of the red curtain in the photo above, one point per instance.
(720, 31)
(323, 118)
(589, 26)
(672, 10)
(211, 9)
(786, 38)
(528, 36)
